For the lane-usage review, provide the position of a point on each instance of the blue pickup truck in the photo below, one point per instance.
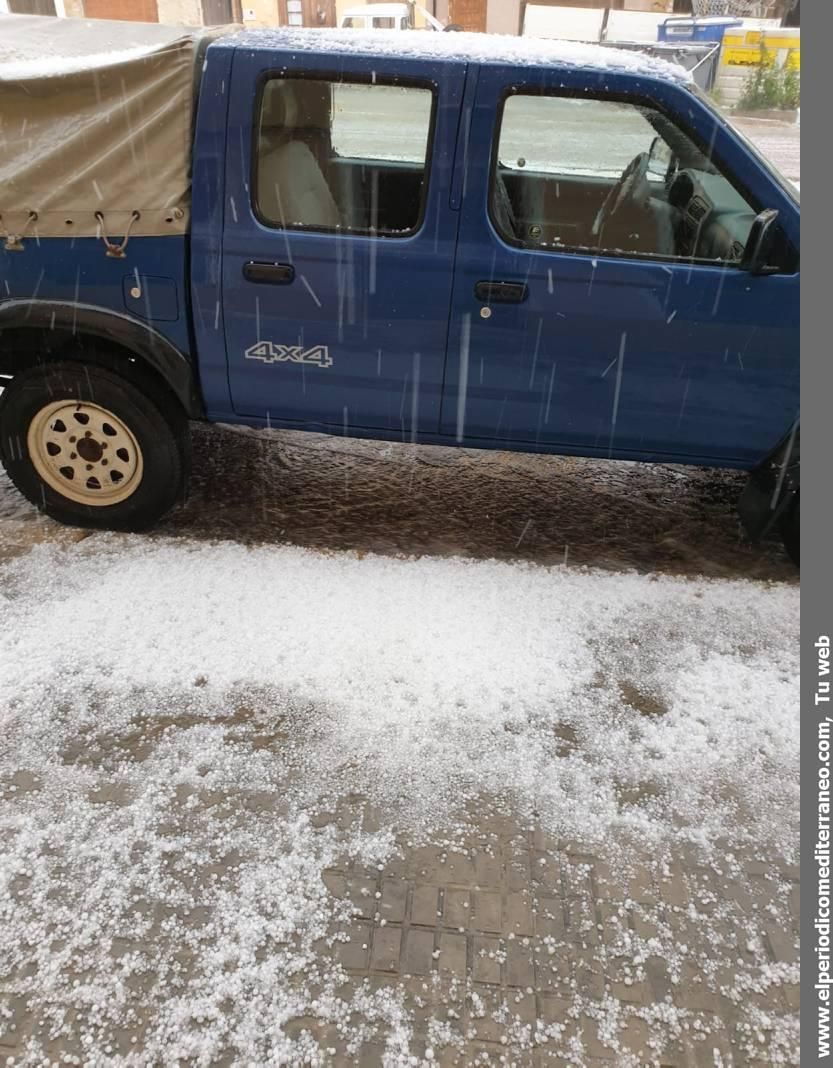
(443, 238)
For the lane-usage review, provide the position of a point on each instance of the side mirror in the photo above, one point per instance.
(759, 244)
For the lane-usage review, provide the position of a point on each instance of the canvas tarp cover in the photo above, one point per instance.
(96, 117)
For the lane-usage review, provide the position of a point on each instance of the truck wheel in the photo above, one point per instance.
(790, 534)
(93, 447)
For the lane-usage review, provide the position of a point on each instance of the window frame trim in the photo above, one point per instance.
(634, 99)
(333, 76)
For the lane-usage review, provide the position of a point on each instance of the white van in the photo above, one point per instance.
(386, 17)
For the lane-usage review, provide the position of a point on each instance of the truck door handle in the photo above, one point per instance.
(501, 292)
(275, 274)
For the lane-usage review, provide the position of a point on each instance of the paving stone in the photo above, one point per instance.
(517, 915)
(590, 978)
(384, 955)
(459, 869)
(519, 968)
(457, 908)
(605, 883)
(546, 870)
(452, 958)
(553, 1010)
(641, 886)
(517, 872)
(782, 943)
(418, 954)
(634, 1036)
(582, 921)
(488, 871)
(693, 990)
(645, 925)
(487, 1001)
(362, 892)
(335, 882)
(355, 954)
(657, 972)
(485, 960)
(394, 900)
(673, 889)
(553, 974)
(425, 902)
(487, 911)
(549, 918)
(15, 1023)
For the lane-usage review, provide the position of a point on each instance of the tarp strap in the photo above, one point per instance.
(116, 251)
(14, 242)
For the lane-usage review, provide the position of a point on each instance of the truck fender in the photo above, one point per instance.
(772, 486)
(66, 330)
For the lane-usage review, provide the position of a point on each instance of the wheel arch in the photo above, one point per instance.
(48, 331)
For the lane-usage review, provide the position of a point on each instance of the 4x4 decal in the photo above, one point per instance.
(269, 352)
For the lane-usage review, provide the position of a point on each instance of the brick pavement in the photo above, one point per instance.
(520, 950)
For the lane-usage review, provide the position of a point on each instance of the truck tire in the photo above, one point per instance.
(94, 447)
(790, 531)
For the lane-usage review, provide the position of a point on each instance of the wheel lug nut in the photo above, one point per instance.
(88, 433)
(89, 467)
(103, 463)
(72, 440)
(73, 456)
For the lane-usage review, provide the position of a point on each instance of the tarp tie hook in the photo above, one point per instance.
(116, 251)
(14, 242)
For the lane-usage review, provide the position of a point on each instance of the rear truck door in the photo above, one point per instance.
(338, 239)
(637, 334)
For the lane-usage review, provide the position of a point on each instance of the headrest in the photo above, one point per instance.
(280, 107)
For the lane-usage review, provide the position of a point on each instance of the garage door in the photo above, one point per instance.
(128, 10)
(470, 14)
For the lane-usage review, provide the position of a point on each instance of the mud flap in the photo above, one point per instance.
(771, 488)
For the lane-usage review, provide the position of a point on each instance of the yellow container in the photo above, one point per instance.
(744, 49)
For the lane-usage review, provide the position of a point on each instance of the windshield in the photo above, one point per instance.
(789, 187)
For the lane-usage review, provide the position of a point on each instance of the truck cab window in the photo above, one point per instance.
(335, 155)
(576, 173)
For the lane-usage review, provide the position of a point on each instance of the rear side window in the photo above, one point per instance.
(375, 122)
(342, 155)
(611, 177)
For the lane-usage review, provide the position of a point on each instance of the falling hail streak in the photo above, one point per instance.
(415, 399)
(683, 402)
(535, 353)
(523, 533)
(617, 391)
(719, 291)
(310, 290)
(374, 215)
(549, 393)
(465, 338)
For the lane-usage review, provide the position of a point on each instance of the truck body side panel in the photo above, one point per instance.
(207, 213)
(612, 354)
(357, 337)
(149, 284)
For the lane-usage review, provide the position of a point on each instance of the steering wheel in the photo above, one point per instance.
(627, 185)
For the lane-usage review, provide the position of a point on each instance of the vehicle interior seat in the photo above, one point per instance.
(291, 187)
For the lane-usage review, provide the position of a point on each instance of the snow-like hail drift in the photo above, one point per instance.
(176, 715)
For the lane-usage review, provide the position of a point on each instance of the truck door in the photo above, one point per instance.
(338, 240)
(600, 306)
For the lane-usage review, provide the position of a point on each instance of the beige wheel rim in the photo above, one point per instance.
(85, 453)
